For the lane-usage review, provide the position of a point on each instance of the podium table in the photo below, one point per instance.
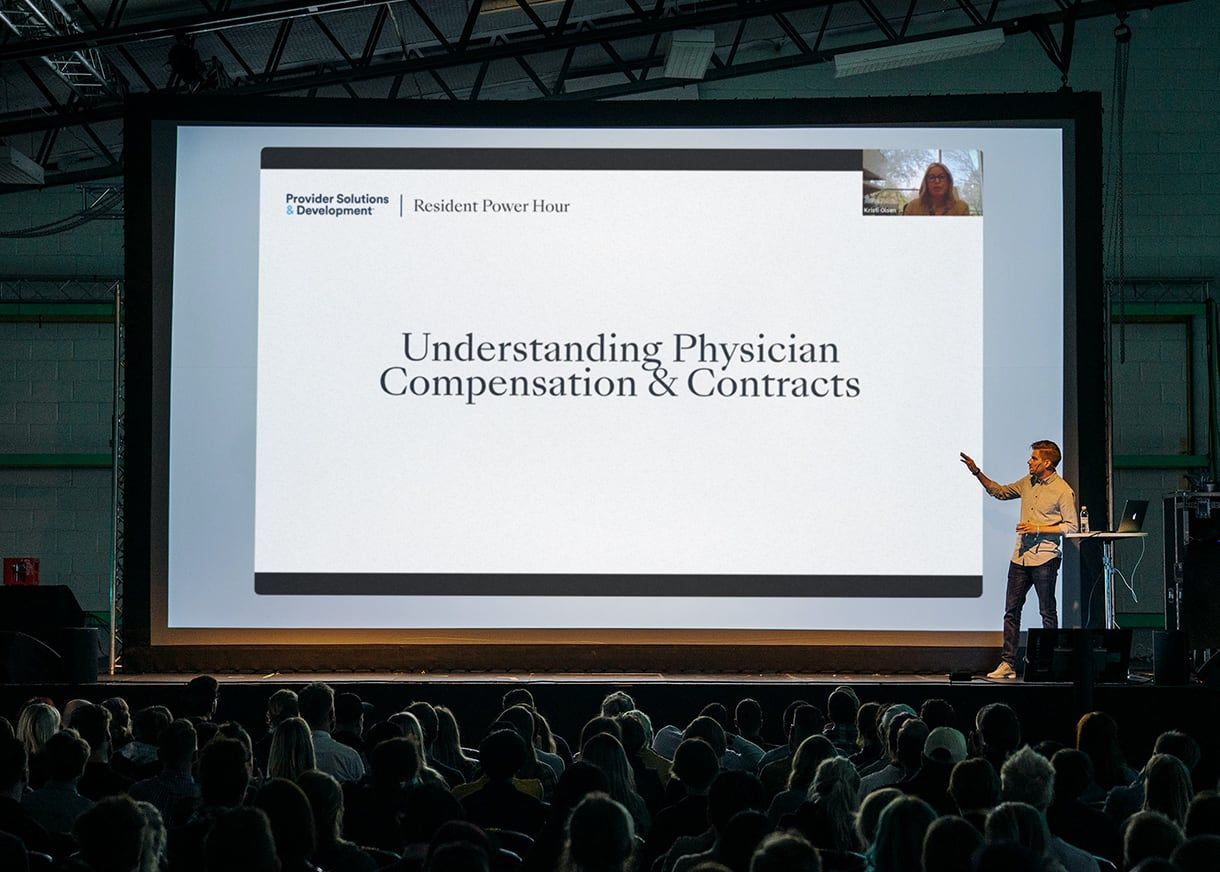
(1107, 541)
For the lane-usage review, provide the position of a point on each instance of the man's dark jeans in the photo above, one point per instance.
(1020, 579)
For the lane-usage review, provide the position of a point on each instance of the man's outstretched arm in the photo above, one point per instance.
(999, 491)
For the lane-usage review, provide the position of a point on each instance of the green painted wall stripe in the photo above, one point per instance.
(56, 461)
(64, 312)
(1144, 310)
(1141, 620)
(1159, 461)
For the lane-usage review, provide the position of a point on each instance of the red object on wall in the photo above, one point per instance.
(20, 570)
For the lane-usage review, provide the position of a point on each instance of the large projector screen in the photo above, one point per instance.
(706, 375)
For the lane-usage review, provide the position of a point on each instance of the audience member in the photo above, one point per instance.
(100, 778)
(785, 852)
(448, 749)
(1167, 787)
(974, 786)
(1097, 736)
(139, 758)
(741, 838)
(997, 733)
(292, 750)
(497, 802)
(111, 835)
(57, 804)
(173, 791)
(949, 844)
(730, 792)
(1069, 818)
(868, 745)
(578, 781)
(803, 767)
(748, 721)
(281, 705)
(606, 753)
(39, 721)
(944, 748)
(1149, 834)
(870, 813)
(1198, 854)
(317, 702)
(900, 835)
(615, 703)
(695, 767)
(841, 709)
(292, 824)
(240, 841)
(201, 700)
(828, 819)
(1029, 778)
(600, 836)
(912, 736)
(1203, 815)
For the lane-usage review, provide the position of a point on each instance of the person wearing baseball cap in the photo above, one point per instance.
(944, 748)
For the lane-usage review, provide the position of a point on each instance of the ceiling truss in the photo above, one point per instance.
(74, 64)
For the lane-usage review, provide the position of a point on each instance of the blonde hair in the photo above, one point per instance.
(38, 722)
(292, 750)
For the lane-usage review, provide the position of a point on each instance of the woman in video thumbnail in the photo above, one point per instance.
(937, 195)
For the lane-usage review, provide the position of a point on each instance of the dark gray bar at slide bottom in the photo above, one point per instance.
(669, 159)
(494, 584)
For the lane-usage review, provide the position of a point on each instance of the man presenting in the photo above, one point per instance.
(1048, 510)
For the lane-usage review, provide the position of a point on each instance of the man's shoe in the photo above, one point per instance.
(1003, 672)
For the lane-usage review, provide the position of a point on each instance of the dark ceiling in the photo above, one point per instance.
(67, 65)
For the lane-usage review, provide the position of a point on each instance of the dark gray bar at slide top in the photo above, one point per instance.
(778, 159)
(560, 584)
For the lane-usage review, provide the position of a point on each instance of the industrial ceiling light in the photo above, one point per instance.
(910, 54)
(17, 169)
(690, 53)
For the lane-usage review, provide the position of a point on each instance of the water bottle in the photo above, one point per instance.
(1084, 519)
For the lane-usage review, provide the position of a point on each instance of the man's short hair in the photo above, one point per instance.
(807, 721)
(65, 754)
(600, 724)
(1198, 854)
(502, 753)
(1028, 777)
(695, 764)
(1149, 834)
(617, 702)
(1049, 450)
(1178, 744)
(349, 709)
(974, 785)
(93, 723)
(178, 743)
(785, 852)
(148, 723)
(748, 716)
(282, 705)
(842, 707)
(240, 839)
(317, 703)
(111, 834)
(1073, 773)
(224, 772)
(202, 691)
(1203, 816)
(912, 736)
(709, 730)
(517, 696)
(395, 760)
(998, 727)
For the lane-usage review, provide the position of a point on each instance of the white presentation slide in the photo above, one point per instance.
(619, 379)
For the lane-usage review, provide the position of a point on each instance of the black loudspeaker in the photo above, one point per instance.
(1062, 655)
(1170, 657)
(51, 617)
(25, 660)
(1201, 584)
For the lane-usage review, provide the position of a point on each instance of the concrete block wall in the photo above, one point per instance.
(1172, 199)
(56, 397)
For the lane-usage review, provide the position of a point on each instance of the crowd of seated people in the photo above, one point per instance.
(333, 785)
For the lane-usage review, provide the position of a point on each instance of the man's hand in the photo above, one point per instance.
(1025, 527)
(970, 464)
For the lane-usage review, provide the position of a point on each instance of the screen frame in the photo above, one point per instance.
(151, 125)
